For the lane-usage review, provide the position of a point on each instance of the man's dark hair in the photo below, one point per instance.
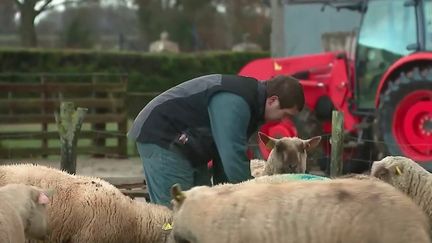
(288, 89)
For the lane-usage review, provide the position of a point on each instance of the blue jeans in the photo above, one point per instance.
(164, 168)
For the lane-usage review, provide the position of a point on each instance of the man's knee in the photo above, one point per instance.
(163, 169)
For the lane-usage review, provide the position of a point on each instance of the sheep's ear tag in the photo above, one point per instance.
(167, 226)
(398, 171)
(177, 193)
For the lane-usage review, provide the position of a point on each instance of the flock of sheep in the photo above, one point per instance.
(282, 204)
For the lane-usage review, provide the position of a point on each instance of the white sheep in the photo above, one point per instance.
(288, 155)
(86, 209)
(23, 213)
(325, 211)
(409, 177)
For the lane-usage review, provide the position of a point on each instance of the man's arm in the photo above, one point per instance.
(229, 118)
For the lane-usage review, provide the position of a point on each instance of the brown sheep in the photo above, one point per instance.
(288, 155)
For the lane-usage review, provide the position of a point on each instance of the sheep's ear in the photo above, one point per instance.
(39, 196)
(267, 140)
(43, 198)
(177, 194)
(379, 170)
(398, 170)
(312, 143)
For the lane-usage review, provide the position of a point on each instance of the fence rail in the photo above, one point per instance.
(33, 104)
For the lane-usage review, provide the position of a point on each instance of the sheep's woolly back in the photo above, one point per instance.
(274, 179)
(87, 209)
(281, 178)
(409, 177)
(357, 176)
(18, 208)
(300, 211)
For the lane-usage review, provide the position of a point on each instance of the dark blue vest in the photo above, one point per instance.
(178, 119)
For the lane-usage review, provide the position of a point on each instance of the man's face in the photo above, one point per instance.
(273, 112)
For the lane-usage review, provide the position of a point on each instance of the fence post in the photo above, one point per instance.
(69, 124)
(336, 140)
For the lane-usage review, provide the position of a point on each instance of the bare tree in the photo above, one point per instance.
(248, 16)
(7, 13)
(29, 10)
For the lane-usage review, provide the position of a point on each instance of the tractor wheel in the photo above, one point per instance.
(403, 123)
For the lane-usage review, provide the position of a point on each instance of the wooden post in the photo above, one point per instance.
(69, 124)
(337, 139)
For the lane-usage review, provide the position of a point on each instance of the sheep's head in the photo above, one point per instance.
(396, 170)
(288, 154)
(38, 223)
(178, 200)
(178, 196)
(31, 203)
(188, 208)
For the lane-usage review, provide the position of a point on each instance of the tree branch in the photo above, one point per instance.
(44, 7)
(18, 3)
(48, 6)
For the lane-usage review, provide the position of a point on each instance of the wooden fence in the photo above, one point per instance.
(26, 106)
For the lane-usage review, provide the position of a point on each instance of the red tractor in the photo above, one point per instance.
(384, 90)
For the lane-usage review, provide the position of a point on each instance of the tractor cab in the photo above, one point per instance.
(393, 81)
(389, 30)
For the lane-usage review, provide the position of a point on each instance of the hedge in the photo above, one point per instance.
(146, 72)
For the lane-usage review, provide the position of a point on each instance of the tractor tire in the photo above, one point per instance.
(403, 124)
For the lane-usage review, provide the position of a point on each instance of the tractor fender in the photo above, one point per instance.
(260, 69)
(397, 67)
